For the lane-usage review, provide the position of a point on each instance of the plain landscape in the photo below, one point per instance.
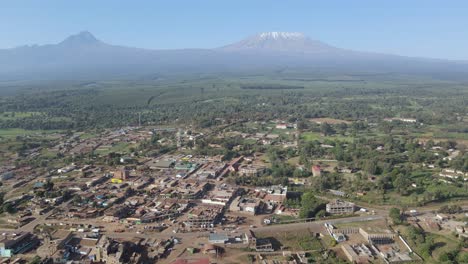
(274, 149)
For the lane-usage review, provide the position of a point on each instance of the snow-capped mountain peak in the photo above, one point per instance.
(284, 35)
(281, 41)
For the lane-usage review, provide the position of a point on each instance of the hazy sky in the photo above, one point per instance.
(426, 28)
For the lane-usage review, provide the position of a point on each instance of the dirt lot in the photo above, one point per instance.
(329, 121)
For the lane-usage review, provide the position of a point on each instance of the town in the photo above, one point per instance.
(185, 195)
(233, 132)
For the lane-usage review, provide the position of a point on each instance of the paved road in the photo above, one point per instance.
(167, 233)
(270, 228)
(304, 226)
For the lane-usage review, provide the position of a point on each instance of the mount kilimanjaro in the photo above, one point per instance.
(84, 57)
(281, 41)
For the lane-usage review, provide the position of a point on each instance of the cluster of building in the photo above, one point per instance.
(131, 196)
(453, 174)
(401, 119)
(340, 207)
(374, 243)
(63, 246)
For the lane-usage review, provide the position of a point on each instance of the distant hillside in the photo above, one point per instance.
(84, 57)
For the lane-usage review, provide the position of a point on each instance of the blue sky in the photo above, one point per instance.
(427, 28)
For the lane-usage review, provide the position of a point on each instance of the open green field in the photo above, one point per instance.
(8, 133)
(120, 147)
(17, 115)
(303, 241)
(375, 224)
(311, 136)
(315, 136)
(442, 243)
(442, 132)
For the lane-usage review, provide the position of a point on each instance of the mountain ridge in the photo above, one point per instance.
(83, 56)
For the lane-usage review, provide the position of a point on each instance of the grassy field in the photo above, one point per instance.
(46, 153)
(442, 243)
(295, 240)
(88, 135)
(120, 147)
(17, 115)
(284, 217)
(294, 161)
(379, 224)
(441, 132)
(331, 121)
(312, 136)
(8, 133)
